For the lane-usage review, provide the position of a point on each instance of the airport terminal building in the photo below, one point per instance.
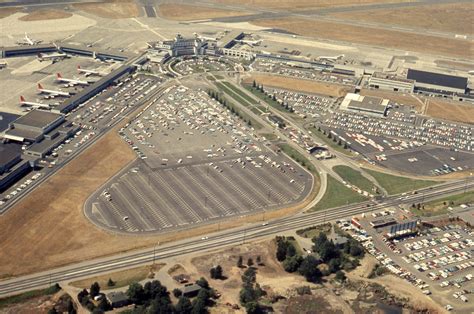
(430, 82)
(385, 81)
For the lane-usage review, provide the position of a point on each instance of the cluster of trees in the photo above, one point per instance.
(292, 261)
(338, 258)
(216, 272)
(221, 99)
(86, 297)
(334, 139)
(259, 88)
(153, 297)
(250, 263)
(251, 291)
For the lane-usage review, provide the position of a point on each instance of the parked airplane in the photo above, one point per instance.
(52, 93)
(250, 42)
(90, 72)
(35, 105)
(330, 58)
(52, 56)
(70, 82)
(28, 41)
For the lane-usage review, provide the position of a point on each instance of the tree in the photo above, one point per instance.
(183, 306)
(218, 272)
(290, 250)
(70, 307)
(81, 296)
(254, 84)
(199, 307)
(259, 260)
(250, 262)
(340, 276)
(259, 292)
(309, 269)
(247, 294)
(95, 289)
(154, 289)
(135, 293)
(252, 307)
(240, 262)
(104, 305)
(110, 283)
(202, 282)
(291, 264)
(160, 305)
(249, 276)
(282, 247)
(205, 295)
(334, 265)
(52, 311)
(177, 292)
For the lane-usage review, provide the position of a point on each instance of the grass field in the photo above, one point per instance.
(41, 15)
(378, 37)
(450, 111)
(395, 184)
(337, 194)
(4, 12)
(302, 4)
(299, 85)
(121, 278)
(440, 206)
(297, 156)
(312, 232)
(354, 177)
(110, 9)
(20, 298)
(274, 104)
(452, 17)
(185, 12)
(236, 93)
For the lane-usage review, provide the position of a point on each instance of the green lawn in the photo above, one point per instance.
(266, 99)
(396, 185)
(19, 298)
(297, 156)
(234, 95)
(269, 136)
(240, 93)
(440, 206)
(337, 194)
(314, 231)
(354, 177)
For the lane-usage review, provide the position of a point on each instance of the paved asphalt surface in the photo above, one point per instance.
(220, 240)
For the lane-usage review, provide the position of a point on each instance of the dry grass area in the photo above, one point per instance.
(184, 12)
(121, 278)
(416, 102)
(450, 111)
(42, 15)
(460, 66)
(452, 17)
(111, 9)
(300, 85)
(372, 36)
(304, 4)
(8, 11)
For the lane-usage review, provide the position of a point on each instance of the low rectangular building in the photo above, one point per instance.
(391, 82)
(32, 126)
(12, 166)
(365, 104)
(437, 82)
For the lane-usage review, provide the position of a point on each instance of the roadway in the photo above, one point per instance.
(222, 239)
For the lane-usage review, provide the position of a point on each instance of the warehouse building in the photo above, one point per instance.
(391, 82)
(12, 166)
(365, 104)
(430, 82)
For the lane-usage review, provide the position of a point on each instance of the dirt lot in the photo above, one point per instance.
(450, 111)
(112, 9)
(8, 11)
(183, 12)
(453, 17)
(414, 101)
(41, 15)
(300, 85)
(303, 4)
(41, 304)
(378, 37)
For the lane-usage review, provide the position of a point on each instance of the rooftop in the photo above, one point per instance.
(390, 76)
(437, 79)
(6, 119)
(365, 103)
(8, 152)
(38, 118)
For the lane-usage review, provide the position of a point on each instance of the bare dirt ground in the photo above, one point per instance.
(8, 11)
(42, 15)
(303, 4)
(453, 17)
(395, 286)
(184, 12)
(460, 66)
(403, 99)
(301, 85)
(35, 305)
(450, 111)
(111, 9)
(378, 37)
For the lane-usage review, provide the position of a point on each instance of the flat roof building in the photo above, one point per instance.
(437, 82)
(12, 166)
(32, 126)
(365, 104)
(387, 81)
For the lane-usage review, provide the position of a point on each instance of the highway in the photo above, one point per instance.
(219, 240)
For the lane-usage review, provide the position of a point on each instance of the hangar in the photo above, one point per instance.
(437, 82)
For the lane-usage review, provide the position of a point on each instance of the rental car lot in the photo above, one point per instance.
(198, 163)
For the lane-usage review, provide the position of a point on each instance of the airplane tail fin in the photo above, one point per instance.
(40, 86)
(22, 99)
(58, 75)
(78, 67)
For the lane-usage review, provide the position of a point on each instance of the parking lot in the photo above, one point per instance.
(204, 64)
(304, 105)
(197, 163)
(436, 259)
